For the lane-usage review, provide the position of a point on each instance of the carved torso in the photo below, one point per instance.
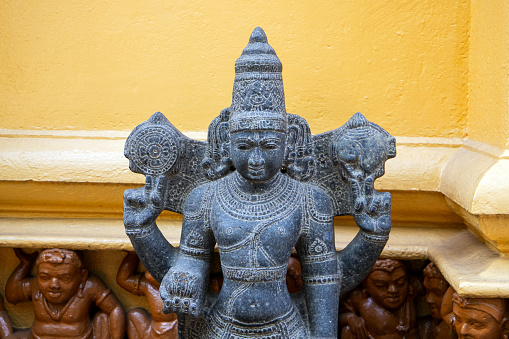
(73, 319)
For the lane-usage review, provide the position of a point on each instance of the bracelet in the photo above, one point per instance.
(140, 232)
(374, 238)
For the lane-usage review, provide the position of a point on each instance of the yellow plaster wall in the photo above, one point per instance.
(489, 69)
(108, 65)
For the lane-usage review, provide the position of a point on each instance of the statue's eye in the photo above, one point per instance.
(270, 145)
(477, 325)
(243, 146)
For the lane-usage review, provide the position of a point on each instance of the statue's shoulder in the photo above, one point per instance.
(200, 194)
(319, 199)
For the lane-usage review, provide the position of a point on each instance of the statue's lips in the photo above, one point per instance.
(54, 294)
(393, 300)
(256, 170)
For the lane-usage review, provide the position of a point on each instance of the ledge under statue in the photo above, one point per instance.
(261, 187)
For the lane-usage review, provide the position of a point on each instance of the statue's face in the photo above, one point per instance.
(58, 282)
(435, 290)
(475, 324)
(257, 155)
(388, 289)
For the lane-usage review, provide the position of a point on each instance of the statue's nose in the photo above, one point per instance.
(256, 158)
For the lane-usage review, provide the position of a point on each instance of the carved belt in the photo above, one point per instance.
(288, 325)
(255, 274)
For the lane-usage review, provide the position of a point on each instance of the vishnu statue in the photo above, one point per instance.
(260, 188)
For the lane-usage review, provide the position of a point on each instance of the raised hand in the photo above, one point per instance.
(358, 327)
(143, 205)
(372, 209)
(26, 259)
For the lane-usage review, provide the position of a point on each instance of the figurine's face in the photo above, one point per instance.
(388, 289)
(475, 324)
(257, 155)
(435, 290)
(58, 282)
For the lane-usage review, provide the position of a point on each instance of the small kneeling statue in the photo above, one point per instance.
(265, 187)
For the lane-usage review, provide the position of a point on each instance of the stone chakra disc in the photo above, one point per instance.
(153, 150)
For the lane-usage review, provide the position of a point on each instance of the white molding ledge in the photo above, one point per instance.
(471, 267)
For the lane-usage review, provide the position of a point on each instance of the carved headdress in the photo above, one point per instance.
(258, 99)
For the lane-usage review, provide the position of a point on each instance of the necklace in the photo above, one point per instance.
(283, 194)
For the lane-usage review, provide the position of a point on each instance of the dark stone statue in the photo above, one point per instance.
(259, 187)
(63, 295)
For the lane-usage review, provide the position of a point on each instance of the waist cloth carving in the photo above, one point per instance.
(260, 186)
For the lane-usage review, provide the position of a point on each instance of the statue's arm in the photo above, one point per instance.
(109, 304)
(374, 221)
(127, 276)
(317, 253)
(5, 321)
(18, 287)
(142, 206)
(184, 287)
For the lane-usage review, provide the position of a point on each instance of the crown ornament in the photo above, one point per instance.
(258, 99)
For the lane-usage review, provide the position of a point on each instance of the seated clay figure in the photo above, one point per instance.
(480, 318)
(141, 324)
(5, 322)
(383, 307)
(436, 287)
(62, 295)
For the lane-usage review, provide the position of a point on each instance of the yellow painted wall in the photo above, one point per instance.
(108, 65)
(489, 70)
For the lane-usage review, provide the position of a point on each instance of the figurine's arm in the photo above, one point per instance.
(317, 253)
(373, 216)
(5, 322)
(348, 317)
(184, 287)
(127, 277)
(109, 304)
(18, 287)
(142, 206)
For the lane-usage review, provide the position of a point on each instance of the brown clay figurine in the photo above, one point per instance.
(436, 287)
(62, 295)
(383, 307)
(476, 318)
(294, 275)
(5, 322)
(140, 324)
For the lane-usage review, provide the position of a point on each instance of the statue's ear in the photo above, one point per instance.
(505, 328)
(300, 152)
(217, 162)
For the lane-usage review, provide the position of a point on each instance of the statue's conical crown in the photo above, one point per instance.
(258, 100)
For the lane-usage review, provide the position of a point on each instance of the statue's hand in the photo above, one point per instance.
(143, 205)
(25, 258)
(372, 209)
(182, 292)
(358, 327)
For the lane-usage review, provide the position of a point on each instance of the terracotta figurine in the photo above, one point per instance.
(5, 322)
(141, 324)
(480, 318)
(62, 294)
(436, 287)
(383, 307)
